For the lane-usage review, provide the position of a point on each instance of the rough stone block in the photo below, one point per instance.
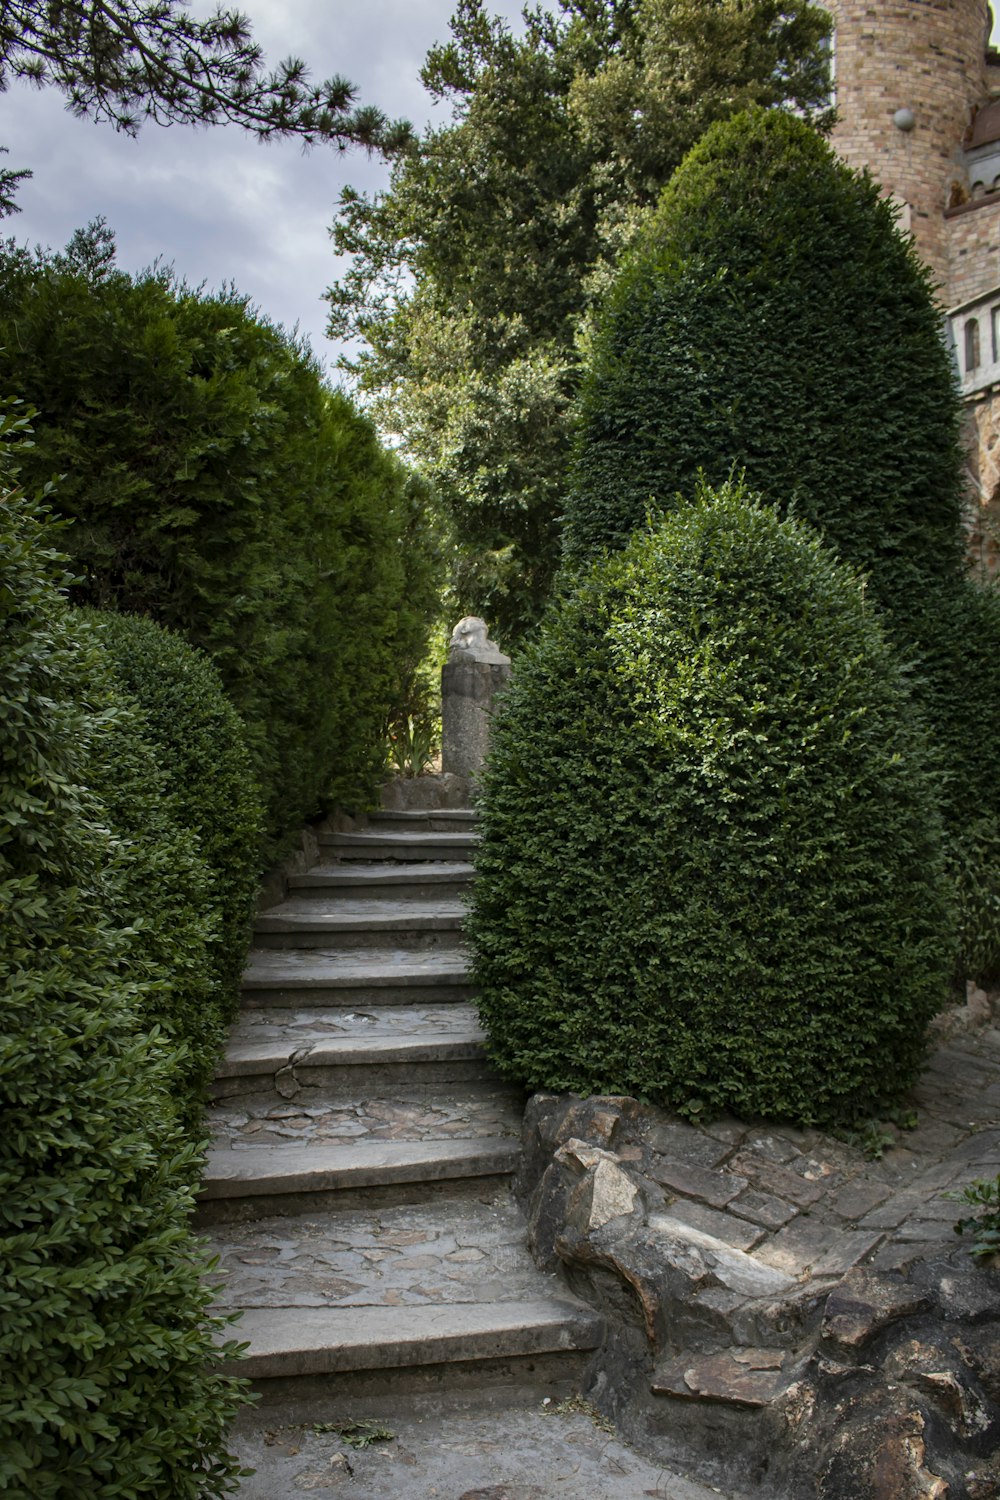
(745, 1377)
(864, 1304)
(729, 1267)
(798, 1247)
(740, 1233)
(714, 1188)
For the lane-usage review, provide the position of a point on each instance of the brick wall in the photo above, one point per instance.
(926, 56)
(973, 250)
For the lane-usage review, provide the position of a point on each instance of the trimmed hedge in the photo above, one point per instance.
(200, 749)
(710, 870)
(105, 1337)
(949, 634)
(772, 319)
(221, 489)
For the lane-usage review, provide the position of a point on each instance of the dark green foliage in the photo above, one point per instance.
(221, 489)
(199, 746)
(950, 632)
(772, 319)
(984, 1225)
(710, 871)
(105, 1389)
(157, 886)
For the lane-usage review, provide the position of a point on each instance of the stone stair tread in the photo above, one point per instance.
(290, 1168)
(243, 1057)
(419, 845)
(404, 1254)
(454, 1112)
(369, 914)
(329, 967)
(359, 872)
(291, 1341)
(419, 816)
(309, 1026)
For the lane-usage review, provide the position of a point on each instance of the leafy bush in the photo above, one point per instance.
(773, 319)
(105, 1338)
(220, 488)
(950, 634)
(710, 869)
(199, 745)
(984, 1225)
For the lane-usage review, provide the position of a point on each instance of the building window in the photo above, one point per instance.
(971, 345)
(995, 326)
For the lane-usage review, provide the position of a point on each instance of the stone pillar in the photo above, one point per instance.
(475, 670)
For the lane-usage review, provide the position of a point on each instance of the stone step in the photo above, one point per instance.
(458, 1346)
(744, 1378)
(396, 1290)
(349, 1066)
(298, 1179)
(347, 922)
(424, 820)
(354, 879)
(453, 1112)
(406, 847)
(355, 977)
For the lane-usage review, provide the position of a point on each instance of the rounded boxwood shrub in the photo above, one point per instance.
(157, 887)
(772, 318)
(106, 1343)
(200, 747)
(710, 870)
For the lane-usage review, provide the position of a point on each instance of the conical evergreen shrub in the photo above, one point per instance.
(710, 870)
(773, 319)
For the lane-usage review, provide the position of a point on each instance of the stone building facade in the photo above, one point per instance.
(918, 101)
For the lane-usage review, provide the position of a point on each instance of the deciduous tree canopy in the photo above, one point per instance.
(473, 275)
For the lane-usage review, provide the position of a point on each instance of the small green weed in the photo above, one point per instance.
(357, 1434)
(412, 744)
(875, 1137)
(984, 1226)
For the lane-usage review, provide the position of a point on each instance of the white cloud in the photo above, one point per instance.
(215, 203)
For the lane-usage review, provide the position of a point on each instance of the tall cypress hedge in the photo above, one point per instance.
(222, 489)
(106, 1343)
(773, 320)
(710, 867)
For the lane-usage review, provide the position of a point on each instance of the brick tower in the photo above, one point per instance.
(909, 75)
(918, 100)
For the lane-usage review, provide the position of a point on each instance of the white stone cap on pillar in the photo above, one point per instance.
(471, 639)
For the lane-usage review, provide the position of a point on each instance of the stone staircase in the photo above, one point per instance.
(358, 1189)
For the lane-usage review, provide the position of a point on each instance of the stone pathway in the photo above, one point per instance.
(358, 1195)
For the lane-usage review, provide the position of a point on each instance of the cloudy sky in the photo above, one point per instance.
(216, 204)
